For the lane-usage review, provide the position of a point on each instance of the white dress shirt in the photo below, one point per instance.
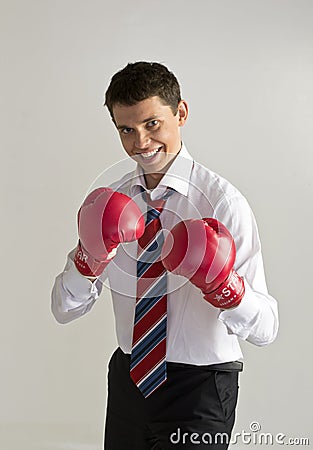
(198, 333)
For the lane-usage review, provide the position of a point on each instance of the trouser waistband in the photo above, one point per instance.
(232, 366)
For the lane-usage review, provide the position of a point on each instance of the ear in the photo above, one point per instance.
(182, 112)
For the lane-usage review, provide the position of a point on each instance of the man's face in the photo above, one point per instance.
(150, 134)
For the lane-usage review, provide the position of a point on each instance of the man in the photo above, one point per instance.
(172, 383)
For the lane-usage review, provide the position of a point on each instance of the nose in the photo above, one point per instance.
(142, 139)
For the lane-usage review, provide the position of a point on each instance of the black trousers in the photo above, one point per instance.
(193, 409)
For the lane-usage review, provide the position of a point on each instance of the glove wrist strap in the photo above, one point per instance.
(229, 294)
(87, 265)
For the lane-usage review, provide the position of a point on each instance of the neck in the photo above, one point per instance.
(153, 179)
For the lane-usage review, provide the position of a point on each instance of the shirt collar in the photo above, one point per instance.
(177, 177)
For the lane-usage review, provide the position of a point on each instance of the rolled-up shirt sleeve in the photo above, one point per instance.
(73, 295)
(255, 319)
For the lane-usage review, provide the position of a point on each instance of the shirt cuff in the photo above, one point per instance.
(243, 317)
(80, 287)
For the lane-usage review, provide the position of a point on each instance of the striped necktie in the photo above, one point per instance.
(148, 366)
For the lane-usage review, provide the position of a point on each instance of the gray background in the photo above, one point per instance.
(246, 68)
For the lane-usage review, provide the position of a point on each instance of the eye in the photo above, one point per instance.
(126, 130)
(152, 123)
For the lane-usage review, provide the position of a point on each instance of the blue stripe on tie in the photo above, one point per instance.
(145, 305)
(153, 246)
(158, 288)
(151, 339)
(149, 255)
(153, 380)
(159, 239)
(152, 214)
(148, 343)
(142, 267)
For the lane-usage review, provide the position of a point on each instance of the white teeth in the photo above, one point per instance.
(149, 154)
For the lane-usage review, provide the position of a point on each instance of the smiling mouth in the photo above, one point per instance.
(148, 155)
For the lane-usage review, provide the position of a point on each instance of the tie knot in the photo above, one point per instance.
(153, 214)
(158, 203)
(155, 207)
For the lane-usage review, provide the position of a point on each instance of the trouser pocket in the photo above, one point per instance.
(226, 384)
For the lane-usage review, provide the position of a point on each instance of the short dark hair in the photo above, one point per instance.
(141, 80)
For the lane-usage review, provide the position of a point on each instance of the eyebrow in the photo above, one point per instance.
(119, 127)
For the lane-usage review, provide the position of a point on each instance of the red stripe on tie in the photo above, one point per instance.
(154, 271)
(148, 321)
(150, 231)
(151, 283)
(148, 279)
(150, 361)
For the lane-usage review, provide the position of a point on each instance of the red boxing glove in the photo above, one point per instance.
(204, 252)
(105, 219)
